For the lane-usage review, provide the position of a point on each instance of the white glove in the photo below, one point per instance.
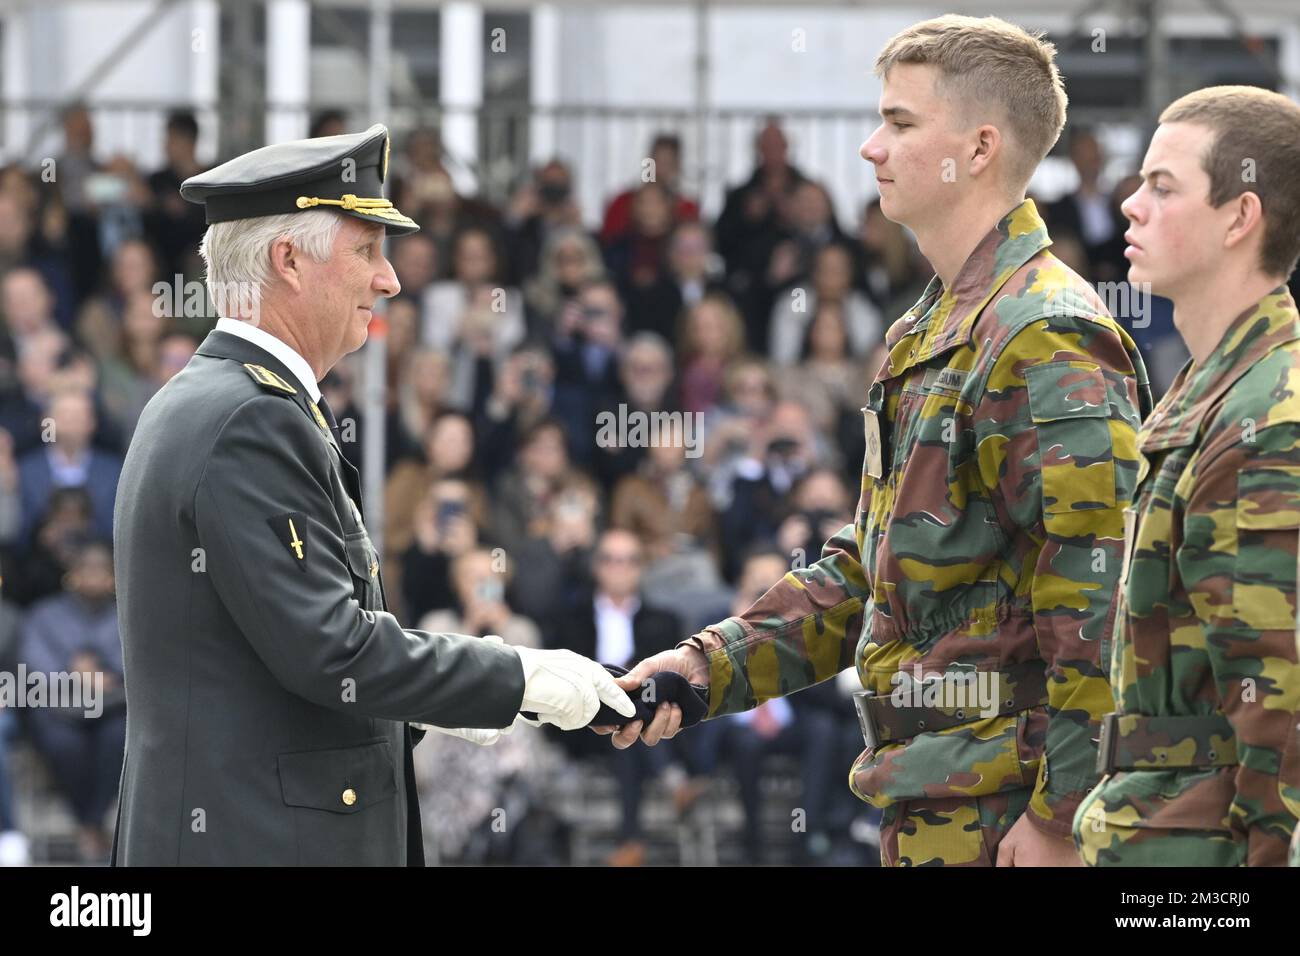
(566, 689)
(483, 736)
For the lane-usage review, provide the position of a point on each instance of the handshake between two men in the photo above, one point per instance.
(660, 696)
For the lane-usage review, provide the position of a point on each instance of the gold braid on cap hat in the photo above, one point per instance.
(368, 207)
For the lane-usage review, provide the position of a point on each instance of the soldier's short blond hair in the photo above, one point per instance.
(1256, 148)
(986, 60)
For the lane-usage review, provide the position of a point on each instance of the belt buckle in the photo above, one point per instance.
(1106, 743)
(865, 723)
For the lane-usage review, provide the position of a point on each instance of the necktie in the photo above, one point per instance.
(328, 414)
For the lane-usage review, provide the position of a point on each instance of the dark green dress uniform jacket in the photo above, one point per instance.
(267, 688)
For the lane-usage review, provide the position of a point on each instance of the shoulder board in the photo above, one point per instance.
(268, 379)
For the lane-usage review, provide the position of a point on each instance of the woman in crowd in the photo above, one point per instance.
(712, 336)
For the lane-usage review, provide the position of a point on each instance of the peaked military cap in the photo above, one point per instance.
(345, 173)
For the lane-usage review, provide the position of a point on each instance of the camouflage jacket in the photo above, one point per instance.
(1206, 620)
(1002, 451)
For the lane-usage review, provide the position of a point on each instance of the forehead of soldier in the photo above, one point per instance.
(916, 93)
(1176, 156)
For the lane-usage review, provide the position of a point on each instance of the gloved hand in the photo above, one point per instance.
(662, 687)
(567, 689)
(673, 709)
(483, 736)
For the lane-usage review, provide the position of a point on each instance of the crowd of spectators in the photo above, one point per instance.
(517, 328)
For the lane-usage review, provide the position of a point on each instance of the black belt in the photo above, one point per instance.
(893, 716)
(1141, 742)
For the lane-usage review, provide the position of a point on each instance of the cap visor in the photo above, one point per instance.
(393, 221)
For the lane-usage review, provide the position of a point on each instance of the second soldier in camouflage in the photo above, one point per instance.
(1202, 755)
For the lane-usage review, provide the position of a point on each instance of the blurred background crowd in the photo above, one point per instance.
(516, 327)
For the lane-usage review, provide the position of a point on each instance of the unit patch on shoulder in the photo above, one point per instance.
(291, 529)
(269, 380)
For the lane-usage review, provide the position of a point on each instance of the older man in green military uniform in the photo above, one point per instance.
(1000, 454)
(270, 695)
(1202, 756)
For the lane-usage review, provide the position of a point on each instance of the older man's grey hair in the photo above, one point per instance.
(238, 254)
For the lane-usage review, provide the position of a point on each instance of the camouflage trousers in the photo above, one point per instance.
(949, 831)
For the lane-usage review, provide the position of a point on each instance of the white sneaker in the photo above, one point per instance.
(13, 849)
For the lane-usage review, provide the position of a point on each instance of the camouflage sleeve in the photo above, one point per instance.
(1238, 562)
(1057, 447)
(802, 631)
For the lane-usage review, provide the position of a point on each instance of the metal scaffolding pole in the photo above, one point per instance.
(109, 62)
(1156, 48)
(703, 69)
(375, 377)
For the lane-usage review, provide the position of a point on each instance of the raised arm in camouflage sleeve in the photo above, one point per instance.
(801, 632)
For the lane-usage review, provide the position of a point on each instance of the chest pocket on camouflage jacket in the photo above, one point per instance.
(1069, 406)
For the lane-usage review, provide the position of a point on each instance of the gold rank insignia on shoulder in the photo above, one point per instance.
(267, 379)
(291, 529)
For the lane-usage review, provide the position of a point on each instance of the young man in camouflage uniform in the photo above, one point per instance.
(1202, 758)
(1001, 451)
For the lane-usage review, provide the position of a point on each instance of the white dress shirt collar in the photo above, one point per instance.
(295, 363)
(628, 609)
(615, 637)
